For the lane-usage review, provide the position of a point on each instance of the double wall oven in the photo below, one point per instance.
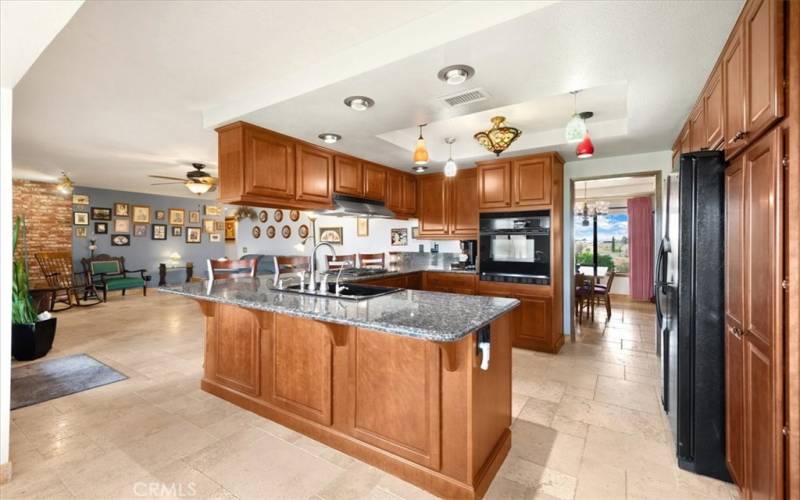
(515, 247)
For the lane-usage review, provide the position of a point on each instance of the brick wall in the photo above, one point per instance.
(48, 215)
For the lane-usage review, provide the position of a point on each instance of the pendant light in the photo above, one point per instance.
(576, 126)
(65, 184)
(420, 153)
(499, 137)
(585, 148)
(450, 168)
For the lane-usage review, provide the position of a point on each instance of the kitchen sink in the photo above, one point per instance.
(349, 291)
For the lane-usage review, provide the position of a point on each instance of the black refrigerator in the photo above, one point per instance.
(690, 309)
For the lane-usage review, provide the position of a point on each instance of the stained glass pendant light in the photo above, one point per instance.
(585, 148)
(420, 153)
(498, 138)
(450, 168)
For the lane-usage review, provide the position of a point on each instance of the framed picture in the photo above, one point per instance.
(294, 215)
(362, 226)
(80, 218)
(263, 216)
(159, 215)
(141, 214)
(208, 225)
(286, 232)
(219, 226)
(212, 210)
(99, 213)
(302, 231)
(256, 231)
(271, 232)
(215, 237)
(278, 215)
(159, 232)
(139, 230)
(331, 235)
(122, 226)
(193, 234)
(176, 216)
(415, 232)
(230, 229)
(177, 231)
(81, 231)
(80, 199)
(122, 209)
(120, 240)
(194, 216)
(100, 228)
(399, 237)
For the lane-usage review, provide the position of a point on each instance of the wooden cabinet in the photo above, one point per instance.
(449, 282)
(348, 176)
(697, 128)
(520, 183)
(314, 175)
(494, 185)
(374, 182)
(447, 207)
(753, 318)
(764, 72)
(686, 139)
(409, 205)
(713, 107)
(733, 76)
(401, 193)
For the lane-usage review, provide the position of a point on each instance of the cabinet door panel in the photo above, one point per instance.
(433, 206)
(269, 165)
(734, 241)
(534, 319)
(237, 350)
(348, 176)
(760, 431)
(374, 182)
(409, 194)
(314, 175)
(734, 404)
(764, 68)
(712, 100)
(301, 361)
(733, 82)
(532, 181)
(494, 185)
(395, 384)
(394, 191)
(464, 204)
(686, 139)
(697, 122)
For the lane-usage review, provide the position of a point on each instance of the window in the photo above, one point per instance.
(612, 240)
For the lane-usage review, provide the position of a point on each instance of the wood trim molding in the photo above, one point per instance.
(449, 355)
(5, 472)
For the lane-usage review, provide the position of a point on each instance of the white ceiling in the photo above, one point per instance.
(132, 88)
(615, 188)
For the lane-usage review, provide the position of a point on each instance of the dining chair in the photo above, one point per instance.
(292, 263)
(584, 296)
(371, 260)
(220, 269)
(335, 262)
(602, 293)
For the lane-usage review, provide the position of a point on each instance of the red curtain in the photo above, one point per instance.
(640, 247)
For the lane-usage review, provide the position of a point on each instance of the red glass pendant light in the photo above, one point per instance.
(585, 148)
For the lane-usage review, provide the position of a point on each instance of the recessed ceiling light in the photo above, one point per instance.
(456, 74)
(359, 102)
(329, 138)
(419, 168)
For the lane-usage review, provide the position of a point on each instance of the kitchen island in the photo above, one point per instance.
(395, 381)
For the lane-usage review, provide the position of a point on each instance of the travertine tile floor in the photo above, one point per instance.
(587, 423)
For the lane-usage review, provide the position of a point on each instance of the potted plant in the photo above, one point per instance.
(31, 337)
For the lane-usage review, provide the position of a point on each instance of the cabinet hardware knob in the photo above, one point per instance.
(737, 137)
(736, 331)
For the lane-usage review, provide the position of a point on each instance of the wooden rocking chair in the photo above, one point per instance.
(66, 286)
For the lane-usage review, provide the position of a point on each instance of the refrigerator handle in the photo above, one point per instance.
(659, 283)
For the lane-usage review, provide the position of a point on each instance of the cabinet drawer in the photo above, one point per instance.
(449, 282)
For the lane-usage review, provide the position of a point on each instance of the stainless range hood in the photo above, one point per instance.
(349, 206)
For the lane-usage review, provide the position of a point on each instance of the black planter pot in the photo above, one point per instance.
(32, 341)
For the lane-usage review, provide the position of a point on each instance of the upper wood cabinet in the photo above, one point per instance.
(697, 128)
(409, 194)
(764, 80)
(269, 164)
(713, 106)
(401, 193)
(686, 139)
(348, 176)
(494, 185)
(733, 76)
(447, 207)
(374, 182)
(518, 183)
(314, 174)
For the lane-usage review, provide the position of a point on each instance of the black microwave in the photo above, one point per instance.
(515, 247)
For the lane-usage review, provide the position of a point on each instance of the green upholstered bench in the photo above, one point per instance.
(109, 274)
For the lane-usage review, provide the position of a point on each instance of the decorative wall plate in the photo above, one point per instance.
(271, 232)
(286, 231)
(294, 215)
(263, 216)
(278, 215)
(302, 231)
(256, 232)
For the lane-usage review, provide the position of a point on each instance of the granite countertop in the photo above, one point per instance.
(436, 316)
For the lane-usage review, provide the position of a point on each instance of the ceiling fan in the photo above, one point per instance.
(196, 181)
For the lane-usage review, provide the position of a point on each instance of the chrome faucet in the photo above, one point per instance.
(312, 285)
(337, 288)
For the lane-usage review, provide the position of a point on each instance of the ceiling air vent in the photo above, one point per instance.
(466, 97)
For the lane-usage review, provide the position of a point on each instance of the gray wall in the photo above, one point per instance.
(144, 252)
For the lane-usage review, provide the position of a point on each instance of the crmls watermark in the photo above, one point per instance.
(164, 490)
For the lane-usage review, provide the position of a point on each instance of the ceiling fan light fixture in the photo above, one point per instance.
(330, 138)
(456, 74)
(420, 153)
(450, 168)
(197, 188)
(419, 168)
(359, 102)
(498, 138)
(65, 184)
